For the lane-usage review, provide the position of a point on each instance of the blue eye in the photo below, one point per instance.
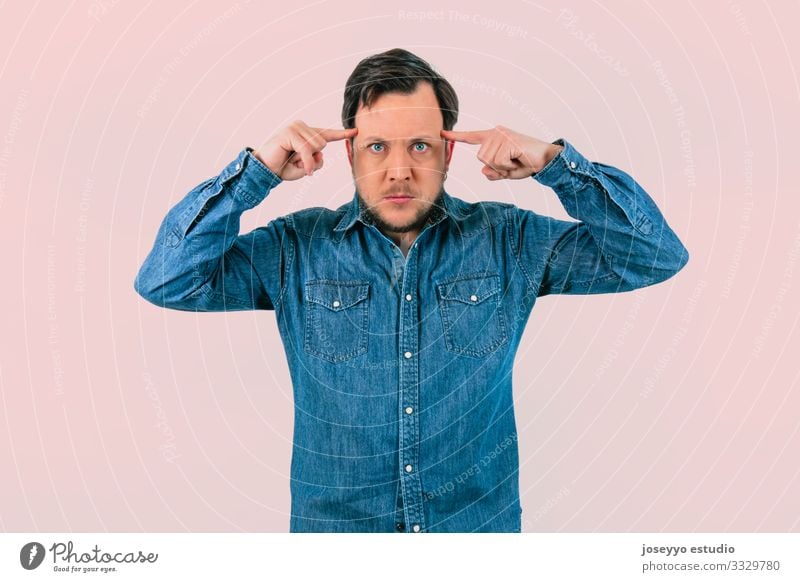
(376, 144)
(422, 144)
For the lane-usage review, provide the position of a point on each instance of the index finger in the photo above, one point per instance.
(473, 137)
(336, 134)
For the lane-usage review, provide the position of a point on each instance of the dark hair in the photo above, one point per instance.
(395, 71)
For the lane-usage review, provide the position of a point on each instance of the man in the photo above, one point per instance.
(401, 311)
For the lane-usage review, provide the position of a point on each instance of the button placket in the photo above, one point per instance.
(409, 395)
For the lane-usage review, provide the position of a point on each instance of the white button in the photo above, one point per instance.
(473, 297)
(407, 355)
(238, 166)
(336, 304)
(409, 468)
(573, 165)
(409, 410)
(408, 296)
(415, 527)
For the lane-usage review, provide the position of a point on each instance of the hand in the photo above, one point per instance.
(296, 150)
(506, 153)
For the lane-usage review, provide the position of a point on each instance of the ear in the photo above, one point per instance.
(349, 147)
(448, 153)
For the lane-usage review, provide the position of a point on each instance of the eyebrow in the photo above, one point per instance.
(417, 138)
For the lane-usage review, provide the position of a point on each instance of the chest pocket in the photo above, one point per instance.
(336, 319)
(472, 316)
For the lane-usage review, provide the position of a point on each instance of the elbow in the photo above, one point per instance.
(681, 255)
(152, 289)
(683, 259)
(166, 294)
(663, 266)
(147, 291)
(674, 262)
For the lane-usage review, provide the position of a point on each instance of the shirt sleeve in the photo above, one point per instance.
(199, 262)
(620, 241)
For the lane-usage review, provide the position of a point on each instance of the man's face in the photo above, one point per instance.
(399, 158)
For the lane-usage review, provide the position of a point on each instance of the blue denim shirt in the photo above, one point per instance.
(402, 365)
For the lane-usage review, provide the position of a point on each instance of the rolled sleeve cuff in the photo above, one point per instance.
(558, 169)
(255, 180)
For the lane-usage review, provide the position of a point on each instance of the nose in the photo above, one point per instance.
(399, 165)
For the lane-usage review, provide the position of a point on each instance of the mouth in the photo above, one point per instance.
(399, 198)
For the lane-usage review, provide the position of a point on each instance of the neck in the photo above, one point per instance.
(404, 240)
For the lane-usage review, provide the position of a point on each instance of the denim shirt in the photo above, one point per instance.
(402, 365)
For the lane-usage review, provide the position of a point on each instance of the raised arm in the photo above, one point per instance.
(620, 241)
(199, 262)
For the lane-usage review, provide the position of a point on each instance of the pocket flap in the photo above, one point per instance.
(336, 295)
(472, 290)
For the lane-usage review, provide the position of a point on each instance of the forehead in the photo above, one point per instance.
(395, 116)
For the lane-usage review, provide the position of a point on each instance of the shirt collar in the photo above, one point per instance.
(354, 212)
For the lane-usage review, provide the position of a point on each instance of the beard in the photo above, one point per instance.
(415, 223)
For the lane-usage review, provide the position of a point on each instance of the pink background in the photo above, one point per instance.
(673, 408)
